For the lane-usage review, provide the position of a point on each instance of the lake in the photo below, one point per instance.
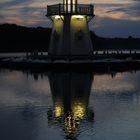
(69, 105)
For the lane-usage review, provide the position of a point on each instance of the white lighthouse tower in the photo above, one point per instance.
(70, 35)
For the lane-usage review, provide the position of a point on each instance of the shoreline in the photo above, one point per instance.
(95, 65)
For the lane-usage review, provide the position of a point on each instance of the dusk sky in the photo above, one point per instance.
(114, 18)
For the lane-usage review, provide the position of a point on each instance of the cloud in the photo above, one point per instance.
(23, 12)
(108, 27)
(128, 11)
(32, 13)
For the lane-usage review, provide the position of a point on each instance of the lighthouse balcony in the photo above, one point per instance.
(75, 9)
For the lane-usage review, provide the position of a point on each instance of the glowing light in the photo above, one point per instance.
(69, 1)
(70, 124)
(71, 121)
(58, 111)
(57, 17)
(78, 16)
(79, 112)
(68, 4)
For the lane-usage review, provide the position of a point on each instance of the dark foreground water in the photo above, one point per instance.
(69, 105)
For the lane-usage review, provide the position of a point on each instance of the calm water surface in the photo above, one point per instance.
(69, 105)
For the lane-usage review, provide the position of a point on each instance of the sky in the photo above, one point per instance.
(114, 18)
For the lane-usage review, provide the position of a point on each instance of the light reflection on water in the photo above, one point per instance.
(69, 105)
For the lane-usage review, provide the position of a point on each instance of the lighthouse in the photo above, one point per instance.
(70, 33)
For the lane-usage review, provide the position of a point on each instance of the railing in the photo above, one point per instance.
(78, 9)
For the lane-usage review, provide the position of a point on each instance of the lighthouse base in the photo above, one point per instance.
(70, 36)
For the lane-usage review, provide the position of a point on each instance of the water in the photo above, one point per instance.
(5, 55)
(69, 105)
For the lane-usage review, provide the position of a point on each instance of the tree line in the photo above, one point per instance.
(14, 38)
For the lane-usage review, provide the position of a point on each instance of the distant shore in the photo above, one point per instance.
(14, 38)
(103, 65)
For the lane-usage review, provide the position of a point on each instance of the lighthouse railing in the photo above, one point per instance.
(53, 9)
(84, 9)
(79, 9)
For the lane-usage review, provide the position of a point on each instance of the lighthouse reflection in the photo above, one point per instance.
(70, 94)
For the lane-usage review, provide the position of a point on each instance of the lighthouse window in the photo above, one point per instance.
(69, 5)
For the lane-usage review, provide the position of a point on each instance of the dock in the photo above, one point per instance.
(83, 63)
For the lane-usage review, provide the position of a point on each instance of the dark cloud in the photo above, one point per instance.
(105, 26)
(26, 13)
(126, 8)
(8, 4)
